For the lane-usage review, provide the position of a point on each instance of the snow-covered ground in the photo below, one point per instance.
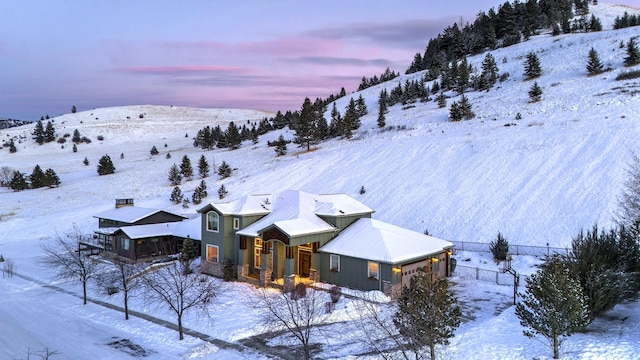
(540, 180)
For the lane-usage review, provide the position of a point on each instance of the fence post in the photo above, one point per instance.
(477, 273)
(497, 273)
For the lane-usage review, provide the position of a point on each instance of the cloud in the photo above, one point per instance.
(180, 69)
(406, 34)
(339, 61)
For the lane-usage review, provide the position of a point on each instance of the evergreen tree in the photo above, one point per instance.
(17, 182)
(594, 66)
(76, 137)
(74, 148)
(203, 167)
(175, 176)
(535, 93)
(232, 136)
(176, 195)
(595, 24)
(532, 68)
(203, 188)
(222, 191)
(633, 54)
(224, 170)
(196, 198)
(185, 168)
(189, 250)
(49, 132)
(361, 107)
(305, 126)
(105, 166)
(281, 146)
(73, 109)
(12, 147)
(382, 109)
(85, 161)
(38, 133)
(336, 125)
(553, 305)
(466, 108)
(37, 177)
(154, 150)
(351, 119)
(50, 178)
(428, 313)
(499, 248)
(442, 100)
(489, 75)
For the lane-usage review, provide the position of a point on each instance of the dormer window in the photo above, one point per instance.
(213, 221)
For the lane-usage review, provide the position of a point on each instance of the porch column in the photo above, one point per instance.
(289, 269)
(265, 271)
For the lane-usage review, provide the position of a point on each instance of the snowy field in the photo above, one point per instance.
(539, 180)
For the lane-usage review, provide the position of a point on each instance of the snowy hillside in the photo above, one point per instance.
(537, 180)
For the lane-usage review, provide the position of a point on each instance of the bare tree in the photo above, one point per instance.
(44, 354)
(372, 323)
(8, 266)
(180, 290)
(629, 201)
(69, 261)
(298, 312)
(5, 175)
(122, 275)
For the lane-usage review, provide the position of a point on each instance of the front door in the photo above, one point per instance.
(304, 263)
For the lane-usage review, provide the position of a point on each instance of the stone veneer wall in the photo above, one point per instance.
(212, 268)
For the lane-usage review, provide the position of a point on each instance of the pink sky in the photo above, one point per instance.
(266, 55)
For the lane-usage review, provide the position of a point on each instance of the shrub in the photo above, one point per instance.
(499, 248)
(100, 137)
(628, 75)
(228, 271)
(299, 292)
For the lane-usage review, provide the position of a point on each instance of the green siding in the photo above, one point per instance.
(354, 273)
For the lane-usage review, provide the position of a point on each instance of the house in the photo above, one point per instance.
(140, 233)
(294, 236)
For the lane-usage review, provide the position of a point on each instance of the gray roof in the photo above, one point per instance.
(129, 214)
(187, 228)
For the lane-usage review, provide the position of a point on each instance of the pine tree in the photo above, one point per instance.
(203, 167)
(203, 189)
(633, 54)
(553, 305)
(85, 161)
(154, 150)
(17, 182)
(175, 176)
(489, 75)
(176, 195)
(336, 125)
(232, 136)
(361, 107)
(595, 24)
(189, 250)
(532, 68)
(196, 198)
(185, 168)
(305, 126)
(382, 110)
(428, 313)
(442, 100)
(74, 148)
(12, 147)
(222, 191)
(38, 133)
(37, 177)
(281, 146)
(105, 166)
(594, 66)
(49, 132)
(51, 179)
(76, 137)
(224, 170)
(499, 248)
(351, 119)
(535, 93)
(73, 109)
(466, 108)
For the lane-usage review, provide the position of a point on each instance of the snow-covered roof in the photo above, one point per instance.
(187, 228)
(129, 214)
(247, 205)
(379, 241)
(296, 213)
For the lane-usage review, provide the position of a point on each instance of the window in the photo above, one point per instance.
(334, 262)
(373, 269)
(212, 253)
(212, 221)
(124, 243)
(236, 223)
(257, 253)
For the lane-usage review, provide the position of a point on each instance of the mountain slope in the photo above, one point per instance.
(558, 169)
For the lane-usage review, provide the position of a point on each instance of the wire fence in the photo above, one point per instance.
(513, 249)
(498, 277)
